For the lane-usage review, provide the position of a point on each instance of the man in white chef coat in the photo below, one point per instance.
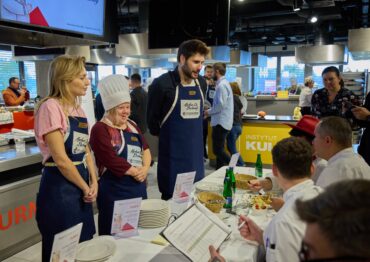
(292, 167)
(333, 142)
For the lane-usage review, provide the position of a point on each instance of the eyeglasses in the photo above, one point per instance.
(304, 256)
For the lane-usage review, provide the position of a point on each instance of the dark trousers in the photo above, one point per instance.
(218, 141)
(305, 110)
(205, 134)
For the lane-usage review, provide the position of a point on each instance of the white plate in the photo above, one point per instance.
(153, 205)
(98, 248)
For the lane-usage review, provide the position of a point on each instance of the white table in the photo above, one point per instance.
(139, 248)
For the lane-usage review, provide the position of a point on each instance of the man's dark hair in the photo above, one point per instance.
(299, 133)
(342, 213)
(337, 128)
(220, 67)
(192, 47)
(208, 67)
(293, 158)
(12, 79)
(136, 77)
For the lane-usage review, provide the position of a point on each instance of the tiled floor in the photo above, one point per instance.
(33, 253)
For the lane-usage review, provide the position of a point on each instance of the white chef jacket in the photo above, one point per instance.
(305, 97)
(344, 165)
(285, 231)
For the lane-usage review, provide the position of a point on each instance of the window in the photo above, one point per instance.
(8, 69)
(316, 75)
(104, 70)
(30, 78)
(122, 70)
(156, 72)
(356, 65)
(230, 74)
(265, 77)
(290, 71)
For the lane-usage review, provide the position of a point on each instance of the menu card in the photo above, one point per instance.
(194, 231)
(234, 159)
(126, 218)
(65, 244)
(183, 187)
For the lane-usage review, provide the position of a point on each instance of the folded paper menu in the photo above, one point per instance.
(194, 231)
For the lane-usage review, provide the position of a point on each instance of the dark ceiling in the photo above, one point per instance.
(270, 22)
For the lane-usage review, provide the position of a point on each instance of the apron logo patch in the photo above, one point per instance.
(134, 139)
(134, 156)
(211, 94)
(190, 109)
(192, 93)
(82, 125)
(80, 141)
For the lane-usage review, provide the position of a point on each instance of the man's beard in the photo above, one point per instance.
(187, 72)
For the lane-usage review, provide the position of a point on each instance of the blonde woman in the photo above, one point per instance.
(121, 152)
(306, 95)
(68, 184)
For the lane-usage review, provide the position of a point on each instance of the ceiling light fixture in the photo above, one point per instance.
(241, 0)
(296, 8)
(313, 19)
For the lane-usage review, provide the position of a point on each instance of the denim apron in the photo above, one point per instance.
(59, 203)
(112, 188)
(181, 139)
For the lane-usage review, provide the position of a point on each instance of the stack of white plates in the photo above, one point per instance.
(96, 250)
(154, 213)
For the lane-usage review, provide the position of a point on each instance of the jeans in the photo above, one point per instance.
(218, 141)
(231, 142)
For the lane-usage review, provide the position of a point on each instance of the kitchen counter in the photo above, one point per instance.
(269, 119)
(10, 159)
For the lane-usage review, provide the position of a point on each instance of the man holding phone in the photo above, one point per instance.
(13, 95)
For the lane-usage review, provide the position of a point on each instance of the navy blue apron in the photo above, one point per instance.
(210, 94)
(59, 203)
(181, 139)
(112, 188)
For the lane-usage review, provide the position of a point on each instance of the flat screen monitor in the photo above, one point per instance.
(78, 16)
(206, 20)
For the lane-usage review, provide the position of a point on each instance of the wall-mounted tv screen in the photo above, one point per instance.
(80, 16)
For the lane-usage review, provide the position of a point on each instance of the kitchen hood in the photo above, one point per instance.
(240, 58)
(321, 54)
(359, 43)
(217, 54)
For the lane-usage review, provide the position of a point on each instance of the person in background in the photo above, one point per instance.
(338, 225)
(68, 184)
(210, 93)
(294, 88)
(362, 114)
(236, 130)
(333, 142)
(306, 96)
(13, 95)
(175, 111)
(330, 100)
(121, 152)
(292, 167)
(139, 100)
(221, 114)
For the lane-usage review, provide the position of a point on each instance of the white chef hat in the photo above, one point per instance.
(114, 90)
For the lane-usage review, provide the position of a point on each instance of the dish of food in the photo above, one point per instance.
(261, 201)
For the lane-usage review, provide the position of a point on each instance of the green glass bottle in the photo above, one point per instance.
(228, 193)
(233, 181)
(258, 166)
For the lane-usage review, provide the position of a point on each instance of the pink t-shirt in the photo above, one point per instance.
(50, 117)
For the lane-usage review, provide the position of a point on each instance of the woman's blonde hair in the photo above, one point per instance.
(236, 89)
(62, 71)
(308, 80)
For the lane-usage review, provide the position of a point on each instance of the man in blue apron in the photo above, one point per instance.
(210, 93)
(175, 114)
